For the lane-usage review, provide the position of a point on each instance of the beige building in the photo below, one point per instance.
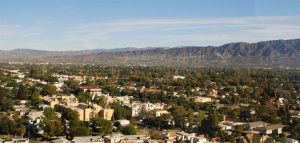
(106, 114)
(85, 112)
(202, 99)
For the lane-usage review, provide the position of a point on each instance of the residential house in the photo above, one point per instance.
(15, 140)
(123, 122)
(185, 137)
(270, 129)
(202, 99)
(88, 139)
(119, 138)
(177, 77)
(137, 107)
(60, 140)
(94, 91)
(161, 112)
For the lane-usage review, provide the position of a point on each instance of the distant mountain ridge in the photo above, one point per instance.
(26, 54)
(275, 53)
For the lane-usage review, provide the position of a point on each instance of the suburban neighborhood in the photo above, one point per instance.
(100, 107)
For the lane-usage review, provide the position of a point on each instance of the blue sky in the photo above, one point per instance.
(92, 24)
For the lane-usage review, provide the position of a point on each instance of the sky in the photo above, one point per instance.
(61, 25)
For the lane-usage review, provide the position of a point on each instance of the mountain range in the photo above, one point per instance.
(265, 53)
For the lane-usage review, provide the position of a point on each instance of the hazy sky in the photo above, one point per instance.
(91, 24)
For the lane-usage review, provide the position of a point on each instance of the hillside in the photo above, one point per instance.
(274, 53)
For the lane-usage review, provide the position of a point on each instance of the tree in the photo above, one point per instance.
(72, 87)
(101, 126)
(296, 130)
(6, 104)
(178, 113)
(51, 124)
(7, 125)
(158, 122)
(53, 127)
(22, 93)
(121, 112)
(49, 113)
(22, 131)
(84, 97)
(3, 92)
(101, 100)
(35, 98)
(79, 131)
(49, 89)
(129, 130)
(210, 124)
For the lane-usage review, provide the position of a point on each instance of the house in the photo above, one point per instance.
(199, 139)
(43, 106)
(123, 99)
(94, 91)
(60, 140)
(212, 92)
(79, 79)
(67, 101)
(230, 106)
(52, 101)
(185, 137)
(161, 112)
(21, 109)
(252, 125)
(270, 129)
(134, 138)
(177, 77)
(61, 78)
(15, 140)
(88, 139)
(114, 138)
(202, 99)
(123, 122)
(169, 136)
(59, 85)
(137, 107)
(35, 116)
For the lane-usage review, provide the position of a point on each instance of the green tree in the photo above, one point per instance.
(51, 124)
(79, 131)
(7, 125)
(49, 89)
(35, 98)
(210, 124)
(6, 104)
(22, 93)
(53, 127)
(129, 130)
(101, 126)
(121, 112)
(178, 113)
(49, 113)
(84, 97)
(296, 130)
(72, 87)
